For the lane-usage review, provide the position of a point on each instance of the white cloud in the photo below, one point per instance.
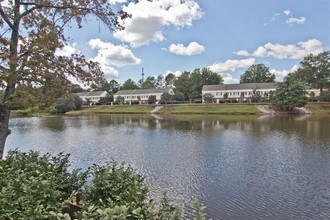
(292, 20)
(226, 68)
(66, 51)
(231, 65)
(112, 55)
(149, 18)
(281, 74)
(288, 51)
(287, 13)
(300, 20)
(192, 49)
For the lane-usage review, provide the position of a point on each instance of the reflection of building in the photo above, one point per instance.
(243, 91)
(142, 95)
(92, 97)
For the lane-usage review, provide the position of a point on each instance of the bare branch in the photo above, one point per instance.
(4, 16)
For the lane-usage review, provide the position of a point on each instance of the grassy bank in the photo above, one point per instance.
(172, 109)
(319, 108)
(201, 109)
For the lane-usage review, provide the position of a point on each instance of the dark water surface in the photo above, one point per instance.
(240, 167)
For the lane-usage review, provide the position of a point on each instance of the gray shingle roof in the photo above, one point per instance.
(242, 86)
(94, 93)
(142, 91)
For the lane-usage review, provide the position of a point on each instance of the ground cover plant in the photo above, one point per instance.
(34, 186)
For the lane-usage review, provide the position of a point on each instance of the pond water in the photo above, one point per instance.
(240, 167)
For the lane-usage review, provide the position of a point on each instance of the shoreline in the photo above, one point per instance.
(191, 109)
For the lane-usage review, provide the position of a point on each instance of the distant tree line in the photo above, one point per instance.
(313, 73)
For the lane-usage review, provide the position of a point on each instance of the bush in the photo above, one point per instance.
(41, 187)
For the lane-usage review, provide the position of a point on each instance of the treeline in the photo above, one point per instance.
(56, 93)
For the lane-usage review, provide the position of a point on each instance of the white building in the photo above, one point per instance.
(92, 97)
(243, 91)
(142, 95)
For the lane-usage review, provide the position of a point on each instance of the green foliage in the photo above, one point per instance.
(120, 100)
(149, 83)
(289, 94)
(32, 186)
(40, 187)
(129, 84)
(315, 71)
(191, 84)
(68, 103)
(208, 98)
(152, 99)
(166, 97)
(257, 73)
(200, 215)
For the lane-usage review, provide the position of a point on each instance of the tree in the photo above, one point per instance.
(257, 73)
(149, 83)
(32, 31)
(315, 71)
(169, 80)
(68, 103)
(152, 99)
(208, 98)
(129, 84)
(114, 86)
(289, 94)
(183, 86)
(191, 84)
(166, 97)
(101, 84)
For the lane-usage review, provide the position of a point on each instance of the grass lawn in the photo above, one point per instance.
(210, 109)
(319, 108)
(172, 109)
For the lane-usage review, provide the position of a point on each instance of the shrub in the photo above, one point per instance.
(40, 187)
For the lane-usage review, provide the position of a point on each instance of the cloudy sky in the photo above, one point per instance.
(227, 36)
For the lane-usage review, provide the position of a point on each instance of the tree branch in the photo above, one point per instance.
(5, 17)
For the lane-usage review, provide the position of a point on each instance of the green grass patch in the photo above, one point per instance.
(210, 109)
(127, 109)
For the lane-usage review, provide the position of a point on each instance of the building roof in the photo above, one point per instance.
(242, 86)
(143, 91)
(89, 94)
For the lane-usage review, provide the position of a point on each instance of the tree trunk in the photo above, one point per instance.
(4, 124)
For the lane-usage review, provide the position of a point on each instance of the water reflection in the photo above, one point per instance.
(241, 167)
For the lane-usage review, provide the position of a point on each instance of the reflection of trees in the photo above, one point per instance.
(258, 125)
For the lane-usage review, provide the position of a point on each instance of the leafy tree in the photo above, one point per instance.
(120, 100)
(68, 103)
(160, 83)
(32, 31)
(191, 84)
(289, 94)
(114, 86)
(201, 77)
(129, 84)
(208, 98)
(166, 97)
(257, 73)
(315, 71)
(149, 83)
(183, 85)
(152, 99)
(169, 80)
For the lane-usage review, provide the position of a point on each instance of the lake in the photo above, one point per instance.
(240, 167)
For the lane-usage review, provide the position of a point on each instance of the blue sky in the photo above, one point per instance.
(227, 36)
